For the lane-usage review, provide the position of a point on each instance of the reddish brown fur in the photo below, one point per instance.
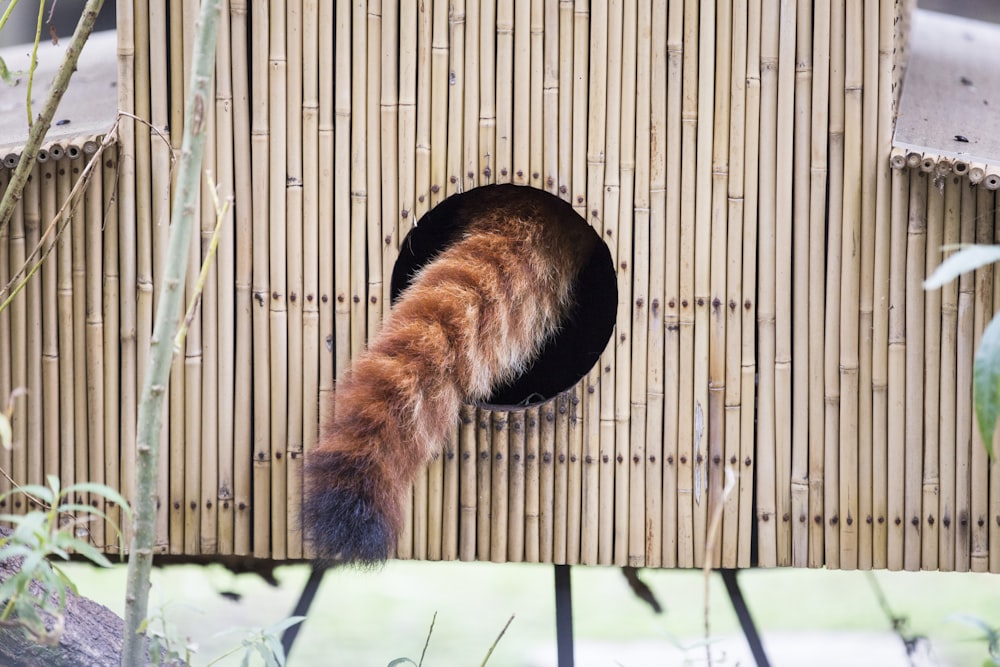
(471, 319)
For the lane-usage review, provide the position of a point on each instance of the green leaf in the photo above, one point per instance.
(105, 492)
(6, 75)
(89, 552)
(43, 493)
(276, 650)
(284, 624)
(969, 258)
(986, 383)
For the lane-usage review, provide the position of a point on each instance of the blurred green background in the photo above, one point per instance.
(369, 618)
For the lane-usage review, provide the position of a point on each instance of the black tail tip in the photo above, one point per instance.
(345, 527)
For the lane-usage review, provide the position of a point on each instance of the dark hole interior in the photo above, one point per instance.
(573, 351)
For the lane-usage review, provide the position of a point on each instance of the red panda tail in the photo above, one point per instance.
(473, 318)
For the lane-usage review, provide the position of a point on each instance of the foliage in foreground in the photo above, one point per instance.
(986, 367)
(38, 588)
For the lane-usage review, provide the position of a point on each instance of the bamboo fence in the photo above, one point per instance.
(736, 157)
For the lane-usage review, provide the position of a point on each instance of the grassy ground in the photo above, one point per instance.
(371, 618)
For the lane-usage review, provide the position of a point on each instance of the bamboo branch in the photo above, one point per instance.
(182, 215)
(38, 129)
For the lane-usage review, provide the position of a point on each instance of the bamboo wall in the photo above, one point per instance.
(734, 155)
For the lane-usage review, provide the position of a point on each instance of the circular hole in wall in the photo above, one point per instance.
(569, 355)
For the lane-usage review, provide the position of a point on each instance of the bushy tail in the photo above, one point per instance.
(472, 319)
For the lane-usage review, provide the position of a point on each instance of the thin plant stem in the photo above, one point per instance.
(34, 60)
(183, 213)
(496, 641)
(706, 568)
(31, 264)
(221, 208)
(427, 642)
(41, 126)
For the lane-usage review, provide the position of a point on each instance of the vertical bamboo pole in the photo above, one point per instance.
(574, 483)
(932, 353)
(94, 322)
(510, 94)
(429, 538)
(440, 80)
(450, 506)
(546, 483)
(470, 124)
(359, 173)
(641, 538)
(674, 501)
(110, 285)
(19, 357)
(702, 273)
(409, 65)
(982, 469)
(559, 94)
(195, 411)
(218, 488)
(204, 381)
(800, 307)
(850, 289)
(537, 115)
(521, 120)
(288, 271)
(656, 174)
(260, 133)
(67, 350)
(239, 469)
(515, 476)
(687, 422)
(78, 229)
(487, 90)
(819, 156)
(965, 427)
(880, 320)
(717, 313)
(732, 518)
(6, 342)
(895, 459)
(596, 147)
(573, 136)
(499, 491)
(317, 65)
(915, 307)
(39, 199)
(150, 245)
(869, 188)
(284, 208)
(126, 228)
(560, 484)
(555, 56)
(373, 167)
(456, 97)
(532, 472)
(979, 465)
(767, 452)
(949, 389)
(620, 156)
(783, 278)
(986, 205)
(484, 507)
(831, 374)
(33, 432)
(467, 484)
(603, 195)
